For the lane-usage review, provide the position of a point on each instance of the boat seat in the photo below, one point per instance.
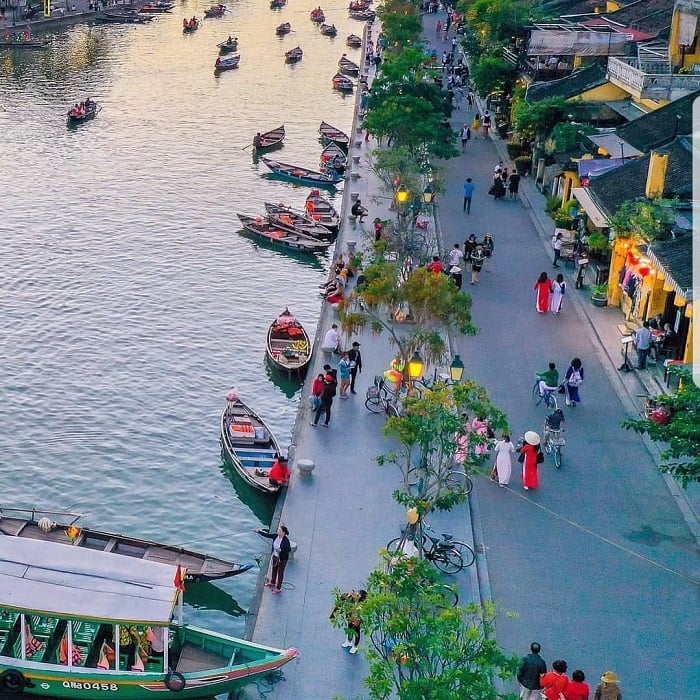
(7, 619)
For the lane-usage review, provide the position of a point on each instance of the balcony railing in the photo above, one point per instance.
(647, 84)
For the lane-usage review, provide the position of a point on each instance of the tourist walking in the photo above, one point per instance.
(470, 100)
(355, 357)
(577, 688)
(456, 275)
(469, 246)
(556, 246)
(458, 99)
(558, 291)
(486, 123)
(555, 681)
(465, 135)
(476, 125)
(281, 547)
(454, 257)
(344, 375)
(468, 194)
(609, 689)
(503, 467)
(530, 457)
(480, 427)
(573, 379)
(346, 614)
(329, 390)
(477, 261)
(532, 668)
(488, 246)
(514, 184)
(642, 341)
(543, 291)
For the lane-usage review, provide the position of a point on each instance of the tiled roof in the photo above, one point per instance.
(659, 127)
(572, 85)
(572, 7)
(651, 16)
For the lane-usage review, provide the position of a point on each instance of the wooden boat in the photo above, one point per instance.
(24, 44)
(348, 66)
(283, 29)
(318, 16)
(296, 221)
(269, 139)
(294, 55)
(190, 26)
(330, 133)
(363, 15)
(288, 344)
(156, 8)
(248, 443)
(227, 63)
(215, 11)
(125, 17)
(302, 175)
(331, 151)
(92, 109)
(228, 46)
(278, 237)
(354, 41)
(321, 210)
(68, 604)
(328, 30)
(40, 525)
(343, 83)
(358, 5)
(277, 4)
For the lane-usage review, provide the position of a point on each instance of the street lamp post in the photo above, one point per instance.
(402, 197)
(456, 369)
(415, 367)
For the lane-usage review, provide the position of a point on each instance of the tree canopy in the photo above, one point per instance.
(540, 118)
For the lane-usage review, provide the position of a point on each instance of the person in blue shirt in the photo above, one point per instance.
(468, 193)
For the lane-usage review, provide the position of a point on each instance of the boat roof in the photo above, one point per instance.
(76, 582)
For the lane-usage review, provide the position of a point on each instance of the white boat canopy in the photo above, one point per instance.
(76, 582)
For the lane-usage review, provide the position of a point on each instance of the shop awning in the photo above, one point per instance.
(615, 146)
(576, 43)
(590, 167)
(627, 109)
(675, 259)
(590, 207)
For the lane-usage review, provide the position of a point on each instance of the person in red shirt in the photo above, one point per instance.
(279, 474)
(555, 681)
(577, 689)
(435, 265)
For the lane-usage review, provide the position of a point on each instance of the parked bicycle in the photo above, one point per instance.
(547, 396)
(424, 483)
(380, 399)
(447, 554)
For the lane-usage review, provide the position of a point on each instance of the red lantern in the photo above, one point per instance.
(632, 258)
(644, 270)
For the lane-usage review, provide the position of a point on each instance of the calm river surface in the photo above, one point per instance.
(129, 304)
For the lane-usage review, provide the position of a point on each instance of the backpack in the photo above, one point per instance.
(575, 379)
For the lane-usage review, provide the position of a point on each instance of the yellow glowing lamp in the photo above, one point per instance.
(415, 366)
(402, 195)
(456, 369)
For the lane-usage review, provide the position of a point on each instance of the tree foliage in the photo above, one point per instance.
(649, 220)
(492, 74)
(540, 118)
(681, 435)
(422, 646)
(566, 137)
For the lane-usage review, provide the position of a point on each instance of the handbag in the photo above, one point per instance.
(540, 457)
(521, 458)
(561, 389)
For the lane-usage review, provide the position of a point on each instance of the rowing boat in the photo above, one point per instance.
(294, 55)
(228, 46)
(125, 17)
(363, 15)
(40, 525)
(302, 175)
(228, 63)
(157, 7)
(283, 29)
(279, 238)
(81, 623)
(318, 16)
(348, 66)
(330, 133)
(296, 221)
(269, 139)
(277, 4)
(330, 152)
(91, 111)
(288, 344)
(215, 11)
(190, 27)
(24, 44)
(328, 30)
(343, 83)
(321, 210)
(354, 41)
(248, 443)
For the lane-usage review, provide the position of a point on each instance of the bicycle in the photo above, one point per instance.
(420, 484)
(380, 399)
(548, 396)
(552, 442)
(447, 554)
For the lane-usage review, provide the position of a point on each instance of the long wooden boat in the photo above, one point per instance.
(343, 83)
(248, 443)
(40, 525)
(277, 4)
(283, 29)
(330, 133)
(288, 344)
(354, 41)
(318, 16)
(359, 5)
(91, 111)
(62, 614)
(348, 66)
(363, 15)
(190, 26)
(228, 46)
(331, 151)
(278, 237)
(302, 175)
(227, 63)
(125, 17)
(329, 30)
(296, 221)
(24, 44)
(294, 55)
(215, 11)
(269, 139)
(320, 209)
(157, 7)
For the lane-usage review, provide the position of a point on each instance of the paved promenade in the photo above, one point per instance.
(600, 565)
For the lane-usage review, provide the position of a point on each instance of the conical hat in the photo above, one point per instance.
(532, 438)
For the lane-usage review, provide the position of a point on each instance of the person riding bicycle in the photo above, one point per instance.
(549, 379)
(554, 423)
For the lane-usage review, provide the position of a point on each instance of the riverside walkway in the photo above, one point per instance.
(600, 565)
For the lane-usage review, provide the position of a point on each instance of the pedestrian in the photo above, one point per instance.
(498, 168)
(543, 290)
(347, 613)
(609, 689)
(378, 229)
(558, 291)
(486, 123)
(503, 466)
(454, 257)
(438, 28)
(470, 99)
(642, 341)
(355, 357)
(532, 667)
(331, 341)
(476, 125)
(469, 246)
(317, 390)
(344, 375)
(530, 456)
(556, 245)
(454, 44)
(458, 96)
(573, 379)
(477, 260)
(465, 135)
(330, 384)
(480, 427)
(456, 275)
(514, 185)
(444, 61)
(498, 189)
(281, 547)
(577, 689)
(555, 681)
(468, 194)
(488, 246)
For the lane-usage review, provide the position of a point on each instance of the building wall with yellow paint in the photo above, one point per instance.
(603, 93)
(678, 58)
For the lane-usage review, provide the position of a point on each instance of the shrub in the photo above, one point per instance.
(553, 203)
(523, 164)
(514, 150)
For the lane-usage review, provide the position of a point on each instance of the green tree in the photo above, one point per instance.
(401, 28)
(566, 136)
(424, 647)
(492, 74)
(681, 435)
(539, 119)
(650, 220)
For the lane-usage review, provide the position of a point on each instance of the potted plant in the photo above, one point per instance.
(598, 243)
(523, 165)
(599, 294)
(355, 262)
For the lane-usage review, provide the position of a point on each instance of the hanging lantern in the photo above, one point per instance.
(644, 270)
(632, 258)
(680, 300)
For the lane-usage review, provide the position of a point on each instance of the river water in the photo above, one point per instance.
(129, 303)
